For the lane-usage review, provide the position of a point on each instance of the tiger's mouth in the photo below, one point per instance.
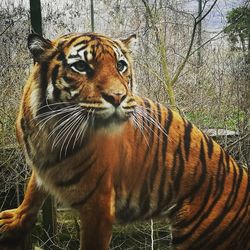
(103, 117)
(116, 117)
(107, 113)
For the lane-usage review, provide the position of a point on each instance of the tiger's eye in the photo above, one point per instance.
(122, 66)
(80, 66)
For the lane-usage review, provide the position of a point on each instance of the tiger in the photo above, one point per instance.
(116, 157)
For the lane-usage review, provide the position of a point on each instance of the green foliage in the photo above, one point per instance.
(238, 29)
(231, 120)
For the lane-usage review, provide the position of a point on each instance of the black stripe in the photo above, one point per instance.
(235, 185)
(69, 80)
(163, 202)
(54, 74)
(178, 168)
(155, 165)
(187, 138)
(196, 188)
(85, 56)
(68, 43)
(202, 154)
(43, 86)
(67, 35)
(56, 93)
(227, 158)
(61, 57)
(81, 42)
(210, 145)
(148, 110)
(89, 195)
(192, 193)
(220, 173)
(150, 132)
(128, 108)
(130, 100)
(74, 56)
(144, 199)
(93, 50)
(159, 113)
(82, 48)
(77, 176)
(167, 126)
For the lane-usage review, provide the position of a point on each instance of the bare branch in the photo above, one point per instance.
(11, 24)
(188, 54)
(237, 141)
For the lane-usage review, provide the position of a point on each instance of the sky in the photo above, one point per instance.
(214, 22)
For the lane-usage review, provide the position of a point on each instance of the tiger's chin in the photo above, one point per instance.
(112, 123)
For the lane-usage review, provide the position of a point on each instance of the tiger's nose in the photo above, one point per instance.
(114, 98)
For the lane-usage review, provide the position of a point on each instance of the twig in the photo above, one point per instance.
(152, 234)
(197, 20)
(11, 24)
(237, 141)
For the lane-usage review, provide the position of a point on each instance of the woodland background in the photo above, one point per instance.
(195, 59)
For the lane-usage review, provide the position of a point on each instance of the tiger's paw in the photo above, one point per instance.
(14, 224)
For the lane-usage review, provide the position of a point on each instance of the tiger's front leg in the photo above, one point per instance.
(15, 223)
(96, 225)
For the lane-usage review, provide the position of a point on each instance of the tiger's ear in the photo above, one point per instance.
(129, 42)
(38, 45)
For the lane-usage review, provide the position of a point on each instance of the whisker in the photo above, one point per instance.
(72, 131)
(147, 126)
(140, 127)
(64, 125)
(49, 105)
(65, 135)
(92, 117)
(151, 119)
(50, 112)
(59, 125)
(79, 130)
(45, 120)
(84, 128)
(144, 108)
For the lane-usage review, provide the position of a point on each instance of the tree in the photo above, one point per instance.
(168, 79)
(238, 28)
(36, 16)
(238, 31)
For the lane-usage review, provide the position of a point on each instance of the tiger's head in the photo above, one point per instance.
(90, 71)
